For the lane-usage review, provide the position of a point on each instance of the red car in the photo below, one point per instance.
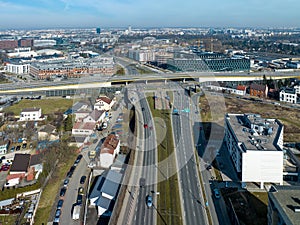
(145, 125)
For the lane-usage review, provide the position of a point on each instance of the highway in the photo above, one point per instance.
(144, 214)
(101, 80)
(193, 204)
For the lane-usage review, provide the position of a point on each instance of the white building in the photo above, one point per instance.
(95, 116)
(81, 128)
(142, 55)
(4, 147)
(255, 146)
(288, 95)
(31, 114)
(104, 103)
(109, 149)
(17, 68)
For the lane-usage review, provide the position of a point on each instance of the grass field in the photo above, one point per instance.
(51, 190)
(168, 206)
(8, 219)
(48, 106)
(289, 117)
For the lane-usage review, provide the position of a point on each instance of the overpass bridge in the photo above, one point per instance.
(94, 82)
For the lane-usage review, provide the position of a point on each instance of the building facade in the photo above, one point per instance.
(17, 68)
(31, 114)
(255, 146)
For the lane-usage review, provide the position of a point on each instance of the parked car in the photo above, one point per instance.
(57, 213)
(24, 146)
(66, 181)
(149, 201)
(60, 203)
(18, 148)
(217, 193)
(142, 182)
(79, 199)
(82, 179)
(62, 192)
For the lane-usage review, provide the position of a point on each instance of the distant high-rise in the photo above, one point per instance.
(98, 30)
(129, 29)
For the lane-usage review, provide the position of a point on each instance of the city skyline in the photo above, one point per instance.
(121, 13)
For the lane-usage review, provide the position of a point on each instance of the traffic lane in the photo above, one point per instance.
(71, 194)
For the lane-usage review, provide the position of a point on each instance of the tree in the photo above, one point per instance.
(69, 123)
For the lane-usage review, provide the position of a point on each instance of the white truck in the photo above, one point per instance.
(76, 212)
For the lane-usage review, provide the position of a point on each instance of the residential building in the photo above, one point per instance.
(79, 140)
(4, 145)
(288, 95)
(8, 44)
(82, 113)
(255, 147)
(104, 103)
(109, 149)
(284, 205)
(48, 132)
(31, 114)
(259, 90)
(142, 55)
(232, 89)
(81, 128)
(73, 68)
(105, 191)
(20, 164)
(95, 116)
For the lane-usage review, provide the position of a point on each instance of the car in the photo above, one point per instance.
(142, 182)
(18, 148)
(66, 181)
(95, 141)
(57, 213)
(149, 202)
(3, 157)
(208, 167)
(82, 179)
(143, 109)
(12, 148)
(60, 203)
(56, 220)
(79, 157)
(79, 200)
(62, 192)
(24, 146)
(80, 191)
(145, 125)
(69, 174)
(217, 193)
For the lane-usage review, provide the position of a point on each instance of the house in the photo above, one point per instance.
(241, 90)
(20, 164)
(258, 90)
(4, 146)
(79, 140)
(104, 103)
(105, 191)
(95, 116)
(109, 149)
(36, 164)
(81, 114)
(31, 114)
(48, 132)
(287, 94)
(81, 128)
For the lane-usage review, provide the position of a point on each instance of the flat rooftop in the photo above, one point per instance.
(261, 137)
(286, 199)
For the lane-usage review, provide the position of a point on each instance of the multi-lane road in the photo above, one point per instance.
(193, 204)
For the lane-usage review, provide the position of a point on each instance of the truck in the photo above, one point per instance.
(76, 212)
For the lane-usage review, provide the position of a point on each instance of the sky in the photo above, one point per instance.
(148, 13)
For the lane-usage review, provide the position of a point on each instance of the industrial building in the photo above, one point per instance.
(255, 146)
(284, 205)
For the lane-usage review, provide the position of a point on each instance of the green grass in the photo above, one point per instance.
(48, 106)
(169, 204)
(8, 219)
(12, 193)
(51, 190)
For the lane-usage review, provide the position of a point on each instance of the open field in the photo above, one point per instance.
(48, 106)
(289, 117)
(168, 201)
(8, 219)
